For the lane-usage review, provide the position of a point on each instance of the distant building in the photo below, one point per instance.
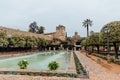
(76, 37)
(77, 45)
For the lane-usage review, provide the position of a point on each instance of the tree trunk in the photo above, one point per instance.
(87, 30)
(92, 49)
(85, 48)
(98, 49)
(116, 50)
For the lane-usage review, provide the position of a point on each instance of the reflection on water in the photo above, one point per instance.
(38, 61)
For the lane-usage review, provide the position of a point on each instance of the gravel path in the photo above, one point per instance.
(96, 71)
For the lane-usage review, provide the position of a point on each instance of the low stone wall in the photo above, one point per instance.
(7, 55)
(58, 73)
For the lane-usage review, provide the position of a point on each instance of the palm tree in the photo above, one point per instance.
(87, 23)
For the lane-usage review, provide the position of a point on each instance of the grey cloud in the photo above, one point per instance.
(50, 13)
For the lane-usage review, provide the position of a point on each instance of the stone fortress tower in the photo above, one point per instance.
(60, 33)
(76, 37)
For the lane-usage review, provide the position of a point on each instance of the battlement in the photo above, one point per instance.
(60, 27)
(59, 34)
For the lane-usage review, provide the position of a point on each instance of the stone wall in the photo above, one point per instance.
(11, 31)
(76, 37)
(59, 34)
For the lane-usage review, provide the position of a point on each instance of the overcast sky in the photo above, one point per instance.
(19, 14)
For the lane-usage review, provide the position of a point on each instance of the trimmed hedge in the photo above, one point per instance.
(79, 68)
(111, 59)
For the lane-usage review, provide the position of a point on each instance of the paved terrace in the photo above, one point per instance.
(96, 71)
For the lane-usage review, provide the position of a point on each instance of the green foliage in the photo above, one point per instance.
(40, 29)
(79, 68)
(101, 56)
(86, 24)
(85, 42)
(114, 33)
(17, 40)
(81, 39)
(111, 59)
(55, 41)
(33, 27)
(94, 39)
(28, 41)
(23, 64)
(53, 65)
(3, 38)
(31, 41)
(42, 42)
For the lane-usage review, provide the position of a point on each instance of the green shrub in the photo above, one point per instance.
(117, 61)
(23, 64)
(101, 56)
(111, 60)
(53, 65)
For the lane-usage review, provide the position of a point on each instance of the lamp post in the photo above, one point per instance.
(107, 30)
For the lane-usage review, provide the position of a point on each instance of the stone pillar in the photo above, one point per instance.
(74, 48)
(49, 48)
(54, 48)
(67, 49)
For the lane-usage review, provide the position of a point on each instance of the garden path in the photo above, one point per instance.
(96, 71)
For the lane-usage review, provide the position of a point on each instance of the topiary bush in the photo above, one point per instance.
(53, 65)
(114, 32)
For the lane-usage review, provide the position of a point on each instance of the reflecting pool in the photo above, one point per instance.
(38, 61)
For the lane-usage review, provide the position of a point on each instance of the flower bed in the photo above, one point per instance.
(38, 73)
(79, 68)
(111, 59)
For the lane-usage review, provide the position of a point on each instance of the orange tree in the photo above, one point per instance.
(114, 34)
(3, 38)
(17, 41)
(93, 40)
